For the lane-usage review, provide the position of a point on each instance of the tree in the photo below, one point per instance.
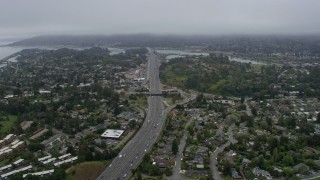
(269, 121)
(29, 177)
(70, 150)
(132, 124)
(275, 154)
(168, 171)
(242, 99)
(190, 129)
(138, 177)
(273, 142)
(35, 146)
(227, 168)
(249, 119)
(288, 160)
(261, 162)
(291, 122)
(318, 118)
(254, 111)
(175, 146)
(288, 171)
(58, 174)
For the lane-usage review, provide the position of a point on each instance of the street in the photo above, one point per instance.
(214, 155)
(179, 156)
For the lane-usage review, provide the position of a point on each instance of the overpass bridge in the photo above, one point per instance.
(149, 94)
(163, 93)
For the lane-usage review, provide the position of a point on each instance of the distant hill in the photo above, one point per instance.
(302, 46)
(100, 40)
(130, 40)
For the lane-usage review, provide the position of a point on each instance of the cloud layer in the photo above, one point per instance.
(35, 17)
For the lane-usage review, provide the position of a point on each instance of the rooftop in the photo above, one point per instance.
(112, 133)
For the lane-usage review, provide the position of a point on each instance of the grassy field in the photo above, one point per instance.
(4, 162)
(85, 171)
(173, 78)
(215, 87)
(141, 101)
(317, 178)
(7, 124)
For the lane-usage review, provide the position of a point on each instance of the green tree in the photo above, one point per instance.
(190, 129)
(227, 168)
(70, 150)
(248, 119)
(58, 174)
(175, 146)
(138, 177)
(254, 111)
(261, 162)
(132, 124)
(275, 154)
(35, 146)
(288, 160)
(242, 99)
(168, 171)
(288, 171)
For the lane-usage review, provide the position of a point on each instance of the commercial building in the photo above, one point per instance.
(112, 133)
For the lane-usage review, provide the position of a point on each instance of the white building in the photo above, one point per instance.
(44, 158)
(17, 162)
(57, 164)
(112, 133)
(64, 156)
(41, 173)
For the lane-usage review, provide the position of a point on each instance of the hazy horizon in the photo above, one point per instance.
(179, 17)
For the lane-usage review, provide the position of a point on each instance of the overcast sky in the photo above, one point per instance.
(41, 17)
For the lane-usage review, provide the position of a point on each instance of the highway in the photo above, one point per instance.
(132, 154)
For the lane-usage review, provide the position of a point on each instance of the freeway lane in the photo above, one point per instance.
(132, 154)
